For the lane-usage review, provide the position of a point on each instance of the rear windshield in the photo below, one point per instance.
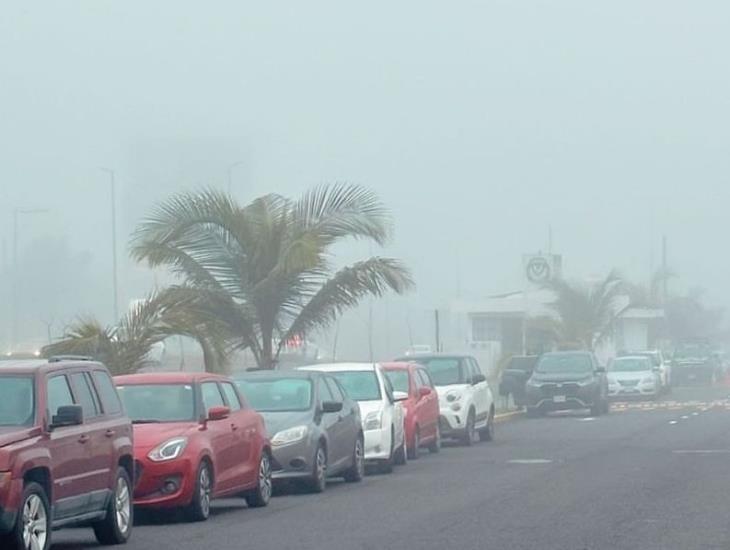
(17, 402)
(283, 394)
(149, 403)
(359, 385)
(569, 364)
(445, 371)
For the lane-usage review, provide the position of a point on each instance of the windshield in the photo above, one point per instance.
(359, 385)
(277, 395)
(630, 364)
(159, 402)
(445, 371)
(17, 402)
(692, 351)
(568, 364)
(398, 379)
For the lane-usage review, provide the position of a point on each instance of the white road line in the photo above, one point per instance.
(702, 452)
(529, 461)
(674, 422)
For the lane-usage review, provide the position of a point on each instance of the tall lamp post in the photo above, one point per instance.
(16, 276)
(112, 188)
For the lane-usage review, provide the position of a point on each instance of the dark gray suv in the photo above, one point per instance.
(314, 426)
(567, 380)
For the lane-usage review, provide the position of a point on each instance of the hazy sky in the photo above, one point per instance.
(480, 123)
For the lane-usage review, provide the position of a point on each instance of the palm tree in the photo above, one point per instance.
(651, 295)
(125, 347)
(265, 270)
(585, 311)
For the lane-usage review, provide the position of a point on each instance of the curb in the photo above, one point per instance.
(503, 417)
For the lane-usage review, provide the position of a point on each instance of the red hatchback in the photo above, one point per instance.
(421, 407)
(195, 439)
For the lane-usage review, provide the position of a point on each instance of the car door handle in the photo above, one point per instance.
(110, 433)
(84, 439)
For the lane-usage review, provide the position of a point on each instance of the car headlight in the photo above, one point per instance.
(453, 395)
(373, 421)
(289, 436)
(169, 450)
(648, 380)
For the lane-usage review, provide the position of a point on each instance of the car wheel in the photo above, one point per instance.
(261, 494)
(596, 408)
(33, 526)
(318, 478)
(414, 450)
(487, 433)
(401, 455)
(470, 435)
(116, 527)
(606, 406)
(435, 445)
(356, 472)
(199, 507)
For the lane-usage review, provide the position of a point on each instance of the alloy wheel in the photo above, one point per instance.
(123, 506)
(265, 483)
(35, 523)
(204, 487)
(359, 458)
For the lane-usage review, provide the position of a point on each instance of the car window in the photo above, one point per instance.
(231, 396)
(399, 379)
(211, 396)
(109, 397)
(85, 395)
(325, 394)
(423, 378)
(335, 389)
(388, 389)
(58, 394)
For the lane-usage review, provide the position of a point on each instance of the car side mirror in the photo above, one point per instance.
(331, 406)
(601, 370)
(478, 379)
(400, 396)
(218, 413)
(68, 415)
(424, 391)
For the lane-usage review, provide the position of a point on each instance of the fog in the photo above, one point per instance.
(482, 125)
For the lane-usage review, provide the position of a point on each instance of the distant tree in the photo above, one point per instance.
(265, 270)
(688, 318)
(125, 347)
(651, 295)
(585, 311)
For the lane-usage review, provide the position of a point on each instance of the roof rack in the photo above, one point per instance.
(59, 358)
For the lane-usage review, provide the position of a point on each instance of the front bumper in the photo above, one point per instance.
(153, 481)
(377, 445)
(293, 461)
(9, 504)
(633, 391)
(452, 423)
(561, 396)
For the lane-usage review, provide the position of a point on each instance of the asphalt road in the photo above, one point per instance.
(645, 477)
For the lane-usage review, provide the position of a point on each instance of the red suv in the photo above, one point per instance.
(421, 407)
(195, 439)
(65, 453)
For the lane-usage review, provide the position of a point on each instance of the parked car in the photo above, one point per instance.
(316, 426)
(195, 439)
(466, 402)
(659, 362)
(383, 421)
(515, 375)
(65, 453)
(634, 376)
(567, 380)
(693, 362)
(421, 407)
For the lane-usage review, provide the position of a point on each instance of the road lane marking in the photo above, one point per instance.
(672, 422)
(587, 419)
(702, 452)
(529, 461)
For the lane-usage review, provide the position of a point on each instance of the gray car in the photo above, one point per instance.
(314, 426)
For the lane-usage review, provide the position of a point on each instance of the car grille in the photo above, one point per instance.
(628, 383)
(569, 389)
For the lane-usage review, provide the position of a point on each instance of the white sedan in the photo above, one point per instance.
(382, 414)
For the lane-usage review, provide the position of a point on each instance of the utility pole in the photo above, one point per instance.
(664, 268)
(112, 187)
(438, 331)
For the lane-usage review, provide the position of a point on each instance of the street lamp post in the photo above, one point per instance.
(16, 275)
(230, 174)
(112, 186)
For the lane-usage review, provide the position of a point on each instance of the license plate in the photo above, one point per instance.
(558, 399)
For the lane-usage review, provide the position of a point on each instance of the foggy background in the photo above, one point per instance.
(479, 123)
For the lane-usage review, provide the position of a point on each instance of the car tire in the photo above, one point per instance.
(35, 501)
(435, 445)
(318, 480)
(356, 472)
(487, 433)
(259, 496)
(596, 408)
(199, 507)
(116, 527)
(414, 450)
(401, 455)
(533, 412)
(469, 436)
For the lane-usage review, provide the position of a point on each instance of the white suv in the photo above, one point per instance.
(465, 399)
(382, 414)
